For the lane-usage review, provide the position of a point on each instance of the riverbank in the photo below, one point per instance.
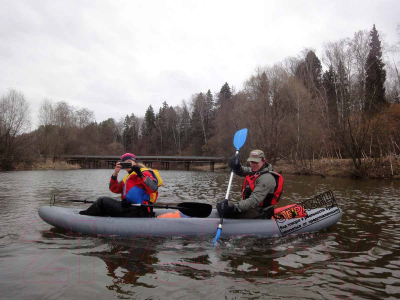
(385, 168)
(48, 165)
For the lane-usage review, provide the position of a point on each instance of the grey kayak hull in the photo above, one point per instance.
(70, 220)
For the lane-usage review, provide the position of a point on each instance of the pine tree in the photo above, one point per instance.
(130, 133)
(161, 125)
(331, 96)
(210, 111)
(127, 137)
(224, 95)
(186, 120)
(149, 121)
(375, 75)
(309, 72)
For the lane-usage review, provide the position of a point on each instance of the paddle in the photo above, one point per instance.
(191, 209)
(238, 141)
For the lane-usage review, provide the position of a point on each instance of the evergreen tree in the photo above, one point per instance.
(161, 124)
(262, 89)
(149, 121)
(130, 134)
(330, 95)
(309, 72)
(109, 131)
(209, 111)
(224, 95)
(186, 120)
(127, 138)
(375, 75)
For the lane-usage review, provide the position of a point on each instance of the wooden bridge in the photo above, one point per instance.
(108, 162)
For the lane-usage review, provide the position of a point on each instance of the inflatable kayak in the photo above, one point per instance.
(70, 220)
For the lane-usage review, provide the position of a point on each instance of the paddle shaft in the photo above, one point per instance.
(227, 195)
(191, 209)
(230, 183)
(238, 141)
(147, 205)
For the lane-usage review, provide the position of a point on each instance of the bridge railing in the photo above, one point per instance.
(96, 161)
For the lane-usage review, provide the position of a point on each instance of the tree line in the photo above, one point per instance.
(294, 110)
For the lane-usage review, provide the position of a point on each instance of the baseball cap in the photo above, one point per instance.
(127, 156)
(256, 155)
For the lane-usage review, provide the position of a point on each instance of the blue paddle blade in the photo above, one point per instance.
(217, 237)
(240, 138)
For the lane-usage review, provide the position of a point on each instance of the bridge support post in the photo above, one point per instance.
(187, 166)
(212, 166)
(166, 165)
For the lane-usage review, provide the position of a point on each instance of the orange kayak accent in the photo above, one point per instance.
(291, 211)
(174, 214)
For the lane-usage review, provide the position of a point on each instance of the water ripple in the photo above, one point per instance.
(359, 257)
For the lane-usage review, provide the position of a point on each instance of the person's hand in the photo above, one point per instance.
(267, 212)
(117, 169)
(136, 169)
(224, 209)
(235, 164)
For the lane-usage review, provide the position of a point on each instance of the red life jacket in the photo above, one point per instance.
(271, 198)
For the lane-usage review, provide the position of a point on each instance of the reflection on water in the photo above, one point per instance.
(358, 258)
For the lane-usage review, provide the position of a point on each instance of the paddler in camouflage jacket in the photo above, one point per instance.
(261, 190)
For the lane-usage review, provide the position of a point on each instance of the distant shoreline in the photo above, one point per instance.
(43, 166)
(387, 168)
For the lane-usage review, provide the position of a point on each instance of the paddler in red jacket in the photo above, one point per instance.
(139, 186)
(262, 188)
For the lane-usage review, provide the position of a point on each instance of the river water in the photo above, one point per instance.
(358, 258)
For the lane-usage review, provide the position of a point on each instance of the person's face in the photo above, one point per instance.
(255, 166)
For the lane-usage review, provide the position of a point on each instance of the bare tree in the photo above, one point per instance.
(46, 113)
(202, 115)
(46, 120)
(84, 117)
(14, 121)
(57, 121)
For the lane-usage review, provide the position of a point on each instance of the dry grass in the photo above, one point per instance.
(388, 167)
(48, 165)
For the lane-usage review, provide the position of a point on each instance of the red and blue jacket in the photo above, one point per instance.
(136, 190)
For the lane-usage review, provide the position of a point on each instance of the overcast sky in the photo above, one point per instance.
(118, 57)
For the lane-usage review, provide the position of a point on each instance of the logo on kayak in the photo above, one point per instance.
(291, 212)
(295, 217)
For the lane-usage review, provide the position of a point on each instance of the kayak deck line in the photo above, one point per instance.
(70, 220)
